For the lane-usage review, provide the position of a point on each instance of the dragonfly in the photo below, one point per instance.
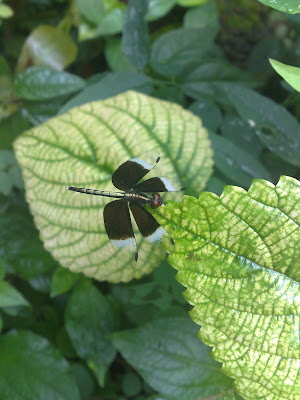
(134, 194)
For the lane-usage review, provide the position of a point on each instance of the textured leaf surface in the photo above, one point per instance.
(289, 73)
(38, 83)
(238, 256)
(31, 368)
(83, 148)
(168, 355)
(288, 6)
(89, 320)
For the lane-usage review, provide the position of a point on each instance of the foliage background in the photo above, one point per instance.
(57, 54)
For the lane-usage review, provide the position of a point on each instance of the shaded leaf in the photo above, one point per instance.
(238, 257)
(174, 51)
(31, 366)
(170, 358)
(209, 113)
(290, 74)
(135, 38)
(62, 281)
(288, 6)
(89, 320)
(275, 127)
(92, 10)
(10, 297)
(49, 47)
(159, 8)
(112, 84)
(37, 83)
(204, 16)
(115, 57)
(83, 148)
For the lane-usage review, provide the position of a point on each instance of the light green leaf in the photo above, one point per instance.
(204, 16)
(92, 10)
(115, 57)
(10, 297)
(191, 3)
(275, 127)
(83, 148)
(5, 11)
(289, 73)
(170, 358)
(49, 47)
(89, 320)
(159, 8)
(238, 257)
(31, 369)
(37, 83)
(62, 281)
(135, 38)
(288, 6)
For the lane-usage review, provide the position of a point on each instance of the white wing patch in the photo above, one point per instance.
(124, 243)
(157, 235)
(168, 184)
(143, 163)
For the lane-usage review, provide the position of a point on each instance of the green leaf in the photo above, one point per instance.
(12, 127)
(200, 81)
(115, 57)
(135, 39)
(37, 83)
(20, 247)
(290, 74)
(236, 163)
(62, 281)
(273, 124)
(112, 84)
(83, 148)
(89, 320)
(10, 297)
(131, 384)
(38, 112)
(209, 113)
(159, 8)
(288, 6)
(92, 10)
(5, 183)
(191, 3)
(174, 51)
(237, 255)
(203, 17)
(31, 368)
(5, 11)
(49, 47)
(170, 358)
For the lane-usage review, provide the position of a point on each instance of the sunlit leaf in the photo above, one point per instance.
(288, 6)
(83, 148)
(289, 73)
(238, 257)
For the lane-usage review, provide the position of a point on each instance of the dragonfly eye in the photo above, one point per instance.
(156, 202)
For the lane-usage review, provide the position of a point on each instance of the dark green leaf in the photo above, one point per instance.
(273, 124)
(84, 380)
(92, 10)
(241, 134)
(10, 297)
(174, 51)
(37, 83)
(169, 356)
(31, 368)
(89, 320)
(38, 112)
(135, 39)
(115, 57)
(236, 163)
(62, 281)
(209, 113)
(288, 6)
(131, 384)
(159, 8)
(10, 128)
(112, 84)
(205, 16)
(215, 185)
(258, 61)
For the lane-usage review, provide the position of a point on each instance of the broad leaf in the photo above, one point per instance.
(89, 320)
(83, 148)
(115, 57)
(10, 297)
(159, 8)
(237, 255)
(289, 73)
(49, 47)
(62, 281)
(31, 368)
(209, 113)
(92, 10)
(174, 51)
(288, 6)
(170, 358)
(111, 85)
(135, 38)
(37, 83)
(273, 124)
(204, 16)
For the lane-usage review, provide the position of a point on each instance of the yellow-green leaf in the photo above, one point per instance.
(238, 256)
(83, 148)
(290, 74)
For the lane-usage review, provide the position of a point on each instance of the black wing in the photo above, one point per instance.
(118, 227)
(132, 171)
(159, 184)
(148, 226)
